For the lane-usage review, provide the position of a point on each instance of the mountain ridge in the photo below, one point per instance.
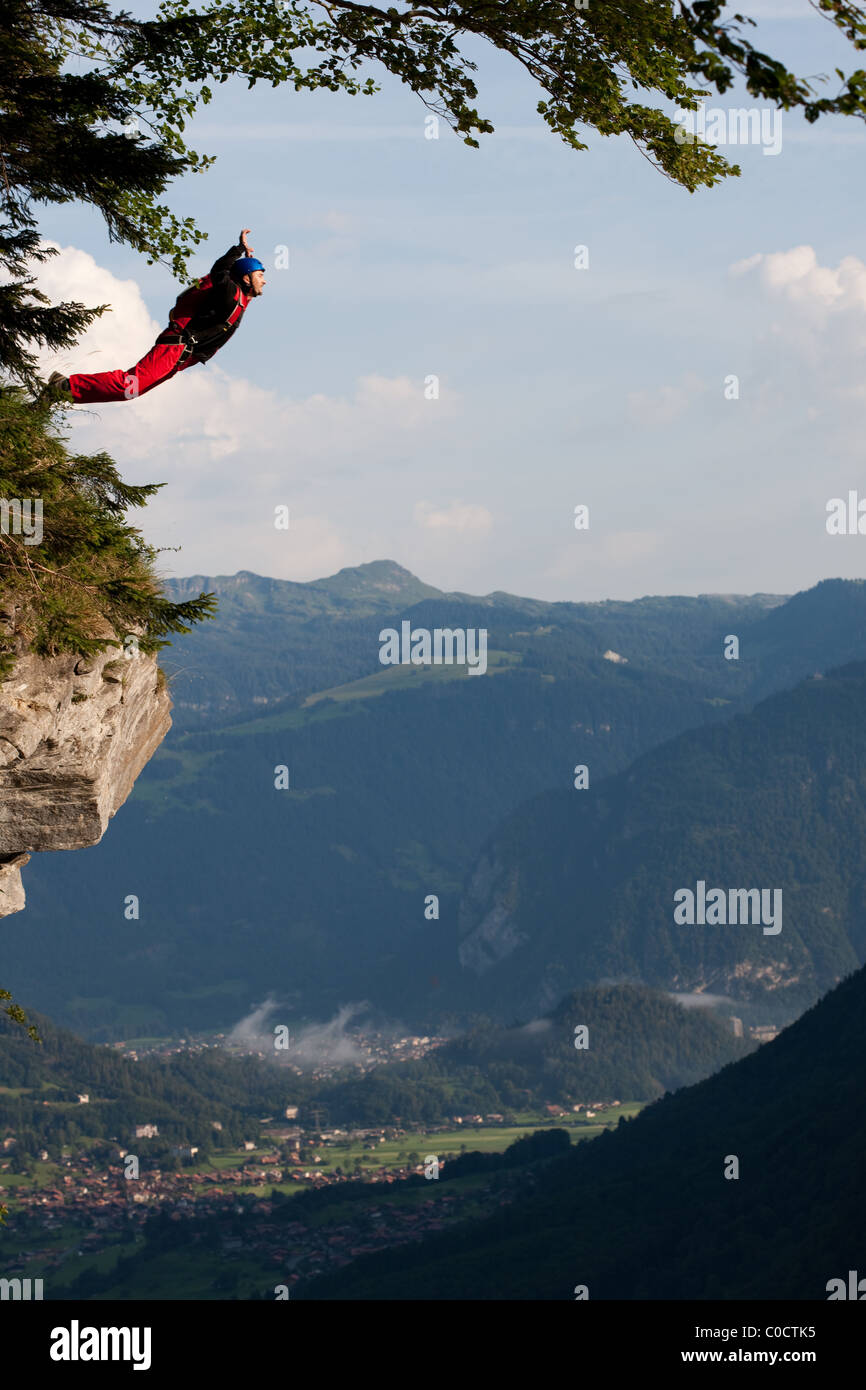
(771, 795)
(393, 796)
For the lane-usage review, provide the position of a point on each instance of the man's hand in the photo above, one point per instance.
(244, 243)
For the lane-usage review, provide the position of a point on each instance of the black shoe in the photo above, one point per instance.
(56, 389)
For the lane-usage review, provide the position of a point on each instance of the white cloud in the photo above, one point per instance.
(813, 339)
(664, 404)
(625, 547)
(336, 221)
(612, 553)
(797, 276)
(120, 336)
(458, 516)
(230, 451)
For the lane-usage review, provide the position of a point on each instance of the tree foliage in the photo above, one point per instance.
(17, 1015)
(82, 83)
(62, 140)
(645, 1211)
(89, 580)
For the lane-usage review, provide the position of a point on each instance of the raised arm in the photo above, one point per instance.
(220, 269)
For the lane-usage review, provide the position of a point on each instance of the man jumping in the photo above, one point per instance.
(201, 322)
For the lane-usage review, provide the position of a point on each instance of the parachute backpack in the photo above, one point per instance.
(191, 302)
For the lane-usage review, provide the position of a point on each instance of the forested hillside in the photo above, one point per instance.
(581, 885)
(646, 1211)
(41, 1086)
(316, 893)
(278, 642)
(640, 1044)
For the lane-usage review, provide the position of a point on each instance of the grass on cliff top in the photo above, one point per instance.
(75, 576)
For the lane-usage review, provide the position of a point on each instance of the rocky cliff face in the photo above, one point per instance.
(487, 929)
(75, 733)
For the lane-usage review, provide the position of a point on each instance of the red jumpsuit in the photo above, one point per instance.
(162, 362)
(201, 322)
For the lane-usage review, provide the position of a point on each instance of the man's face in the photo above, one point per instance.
(256, 282)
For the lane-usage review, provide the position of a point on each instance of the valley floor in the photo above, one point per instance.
(224, 1231)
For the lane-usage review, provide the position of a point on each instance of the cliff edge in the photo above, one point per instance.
(75, 732)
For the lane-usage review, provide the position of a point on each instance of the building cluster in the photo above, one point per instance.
(368, 1049)
(101, 1207)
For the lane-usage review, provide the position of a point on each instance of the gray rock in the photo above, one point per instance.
(487, 930)
(11, 887)
(74, 735)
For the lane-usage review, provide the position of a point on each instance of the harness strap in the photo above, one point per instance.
(178, 337)
(185, 335)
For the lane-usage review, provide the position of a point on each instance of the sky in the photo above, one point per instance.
(607, 386)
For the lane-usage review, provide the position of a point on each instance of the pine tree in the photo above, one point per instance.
(83, 579)
(64, 136)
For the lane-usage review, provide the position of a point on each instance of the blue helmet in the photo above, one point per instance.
(245, 266)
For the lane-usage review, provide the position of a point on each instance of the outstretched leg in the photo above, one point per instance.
(163, 360)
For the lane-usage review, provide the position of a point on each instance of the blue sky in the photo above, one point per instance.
(412, 257)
